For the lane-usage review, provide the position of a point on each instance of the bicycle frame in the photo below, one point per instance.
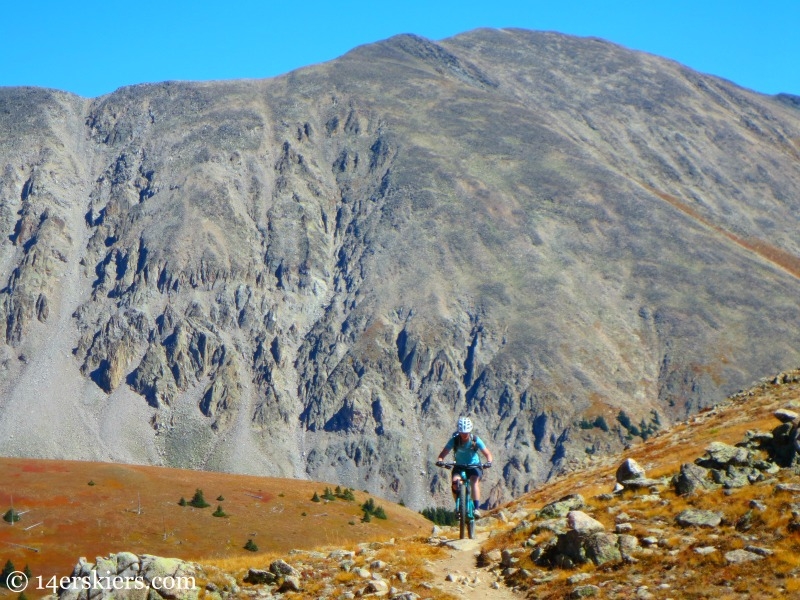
(465, 506)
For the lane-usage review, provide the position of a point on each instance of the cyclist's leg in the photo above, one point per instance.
(454, 485)
(475, 486)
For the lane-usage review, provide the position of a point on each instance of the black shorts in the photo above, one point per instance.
(470, 472)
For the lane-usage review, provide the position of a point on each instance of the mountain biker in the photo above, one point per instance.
(465, 446)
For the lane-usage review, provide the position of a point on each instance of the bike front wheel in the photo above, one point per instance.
(462, 509)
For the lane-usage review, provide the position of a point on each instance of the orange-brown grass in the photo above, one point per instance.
(82, 520)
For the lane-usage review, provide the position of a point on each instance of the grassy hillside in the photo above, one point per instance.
(136, 508)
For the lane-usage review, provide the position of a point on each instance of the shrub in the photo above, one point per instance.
(197, 500)
(220, 498)
(251, 546)
(219, 512)
(91, 482)
(182, 501)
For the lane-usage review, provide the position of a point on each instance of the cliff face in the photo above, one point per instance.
(314, 275)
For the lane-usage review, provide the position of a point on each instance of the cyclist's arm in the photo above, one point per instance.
(484, 450)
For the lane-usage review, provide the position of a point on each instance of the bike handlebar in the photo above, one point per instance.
(452, 465)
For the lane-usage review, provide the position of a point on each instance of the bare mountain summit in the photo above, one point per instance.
(314, 275)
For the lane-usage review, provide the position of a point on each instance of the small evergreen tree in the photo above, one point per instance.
(182, 501)
(315, 498)
(379, 513)
(338, 491)
(27, 571)
(348, 495)
(251, 546)
(220, 498)
(197, 500)
(439, 515)
(6, 573)
(219, 512)
(368, 506)
(328, 495)
(366, 518)
(11, 516)
(600, 423)
(91, 482)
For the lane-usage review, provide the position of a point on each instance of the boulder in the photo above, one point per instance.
(602, 548)
(721, 455)
(630, 469)
(556, 526)
(282, 568)
(583, 523)
(290, 584)
(259, 577)
(690, 479)
(784, 415)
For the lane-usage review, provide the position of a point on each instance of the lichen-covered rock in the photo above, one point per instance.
(691, 478)
(693, 517)
(561, 507)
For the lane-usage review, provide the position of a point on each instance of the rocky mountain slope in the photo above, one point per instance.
(313, 275)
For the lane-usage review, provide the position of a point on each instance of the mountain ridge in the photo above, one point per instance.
(333, 264)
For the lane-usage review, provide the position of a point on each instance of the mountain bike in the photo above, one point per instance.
(464, 505)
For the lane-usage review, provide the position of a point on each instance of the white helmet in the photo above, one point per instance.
(464, 425)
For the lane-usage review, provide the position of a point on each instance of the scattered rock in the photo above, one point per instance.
(692, 517)
(760, 551)
(585, 591)
(377, 587)
(705, 550)
(578, 577)
(741, 556)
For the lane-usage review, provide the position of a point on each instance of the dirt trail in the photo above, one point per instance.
(458, 574)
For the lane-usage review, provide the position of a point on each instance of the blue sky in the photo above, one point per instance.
(91, 48)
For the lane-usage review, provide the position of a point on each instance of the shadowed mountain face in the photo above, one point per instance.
(314, 275)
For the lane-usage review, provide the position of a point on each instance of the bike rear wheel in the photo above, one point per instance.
(462, 509)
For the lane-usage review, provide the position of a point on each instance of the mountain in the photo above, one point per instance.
(314, 275)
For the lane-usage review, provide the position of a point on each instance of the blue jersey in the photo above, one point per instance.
(465, 455)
